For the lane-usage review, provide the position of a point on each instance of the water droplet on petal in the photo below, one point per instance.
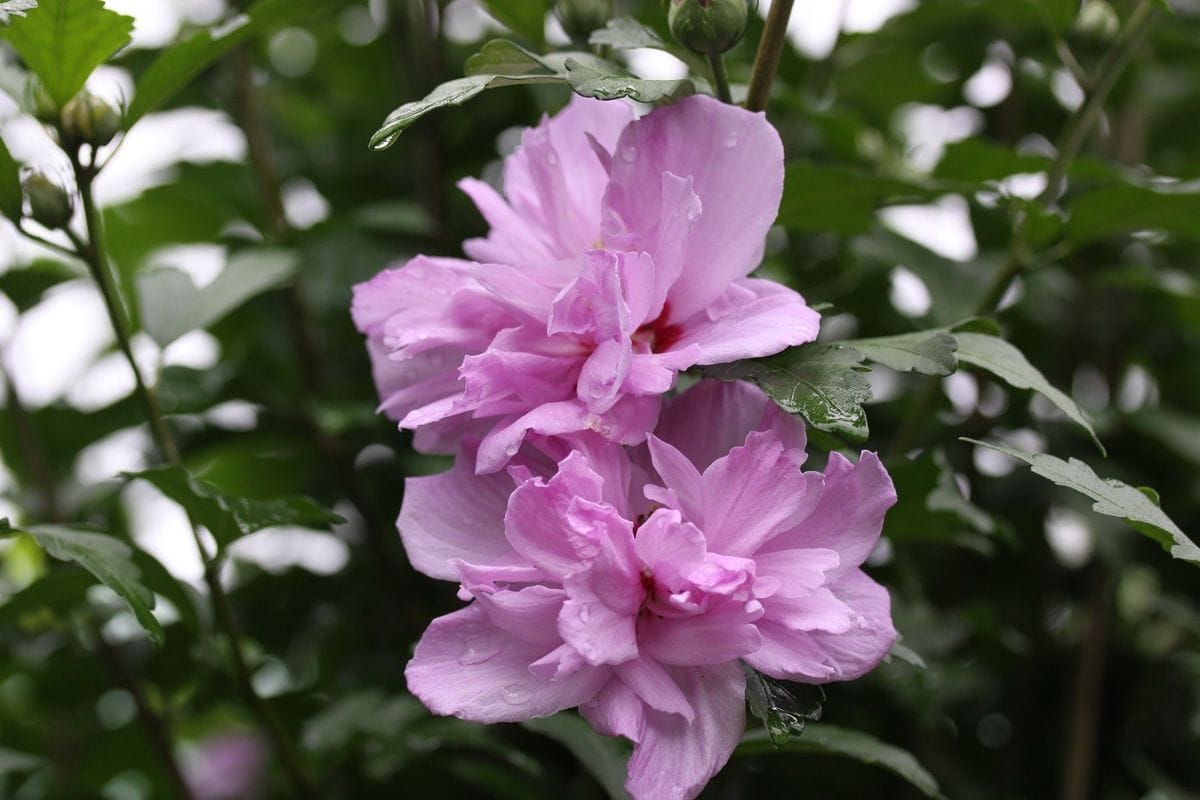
(478, 650)
(731, 139)
(584, 613)
(629, 152)
(515, 695)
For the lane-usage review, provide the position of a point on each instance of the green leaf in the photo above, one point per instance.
(62, 41)
(831, 740)
(1008, 363)
(171, 305)
(10, 185)
(228, 517)
(502, 57)
(525, 17)
(589, 81)
(976, 160)
(451, 93)
(604, 757)
(1115, 210)
(177, 65)
(930, 353)
(109, 560)
(1112, 498)
(822, 382)
(784, 710)
(626, 33)
(839, 200)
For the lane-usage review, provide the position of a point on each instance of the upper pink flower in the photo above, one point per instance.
(631, 585)
(618, 256)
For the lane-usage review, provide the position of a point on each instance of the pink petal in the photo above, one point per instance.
(679, 475)
(597, 632)
(735, 161)
(528, 614)
(767, 320)
(713, 637)
(454, 515)
(665, 541)
(849, 516)
(675, 758)
(713, 417)
(466, 666)
(818, 657)
(616, 711)
(656, 687)
(753, 493)
(536, 523)
(797, 569)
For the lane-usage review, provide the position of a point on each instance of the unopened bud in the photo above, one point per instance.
(708, 27)
(49, 203)
(580, 17)
(88, 119)
(41, 103)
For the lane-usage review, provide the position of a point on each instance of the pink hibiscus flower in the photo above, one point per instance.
(618, 256)
(630, 583)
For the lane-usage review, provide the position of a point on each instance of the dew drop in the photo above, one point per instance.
(478, 651)
(731, 139)
(515, 695)
(584, 613)
(629, 152)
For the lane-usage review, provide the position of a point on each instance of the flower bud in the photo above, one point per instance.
(708, 27)
(580, 17)
(49, 203)
(87, 119)
(41, 103)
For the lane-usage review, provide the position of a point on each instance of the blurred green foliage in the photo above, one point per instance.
(1047, 651)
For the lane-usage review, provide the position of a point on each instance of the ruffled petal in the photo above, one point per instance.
(673, 758)
(849, 516)
(735, 161)
(754, 318)
(454, 515)
(467, 667)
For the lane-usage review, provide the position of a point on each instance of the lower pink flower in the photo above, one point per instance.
(630, 583)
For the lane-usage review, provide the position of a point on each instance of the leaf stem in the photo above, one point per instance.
(716, 63)
(766, 60)
(1070, 142)
(93, 252)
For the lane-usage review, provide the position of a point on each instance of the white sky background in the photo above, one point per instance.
(54, 352)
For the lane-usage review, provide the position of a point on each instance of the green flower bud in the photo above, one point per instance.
(708, 27)
(580, 17)
(49, 203)
(41, 103)
(87, 119)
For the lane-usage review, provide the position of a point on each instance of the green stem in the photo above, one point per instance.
(770, 49)
(1074, 135)
(93, 252)
(716, 62)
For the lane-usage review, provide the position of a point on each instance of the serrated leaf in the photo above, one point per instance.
(10, 185)
(1010, 365)
(822, 382)
(626, 33)
(451, 93)
(171, 305)
(1112, 498)
(502, 57)
(827, 739)
(930, 353)
(62, 41)
(178, 64)
(229, 517)
(785, 711)
(603, 756)
(109, 560)
(588, 81)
